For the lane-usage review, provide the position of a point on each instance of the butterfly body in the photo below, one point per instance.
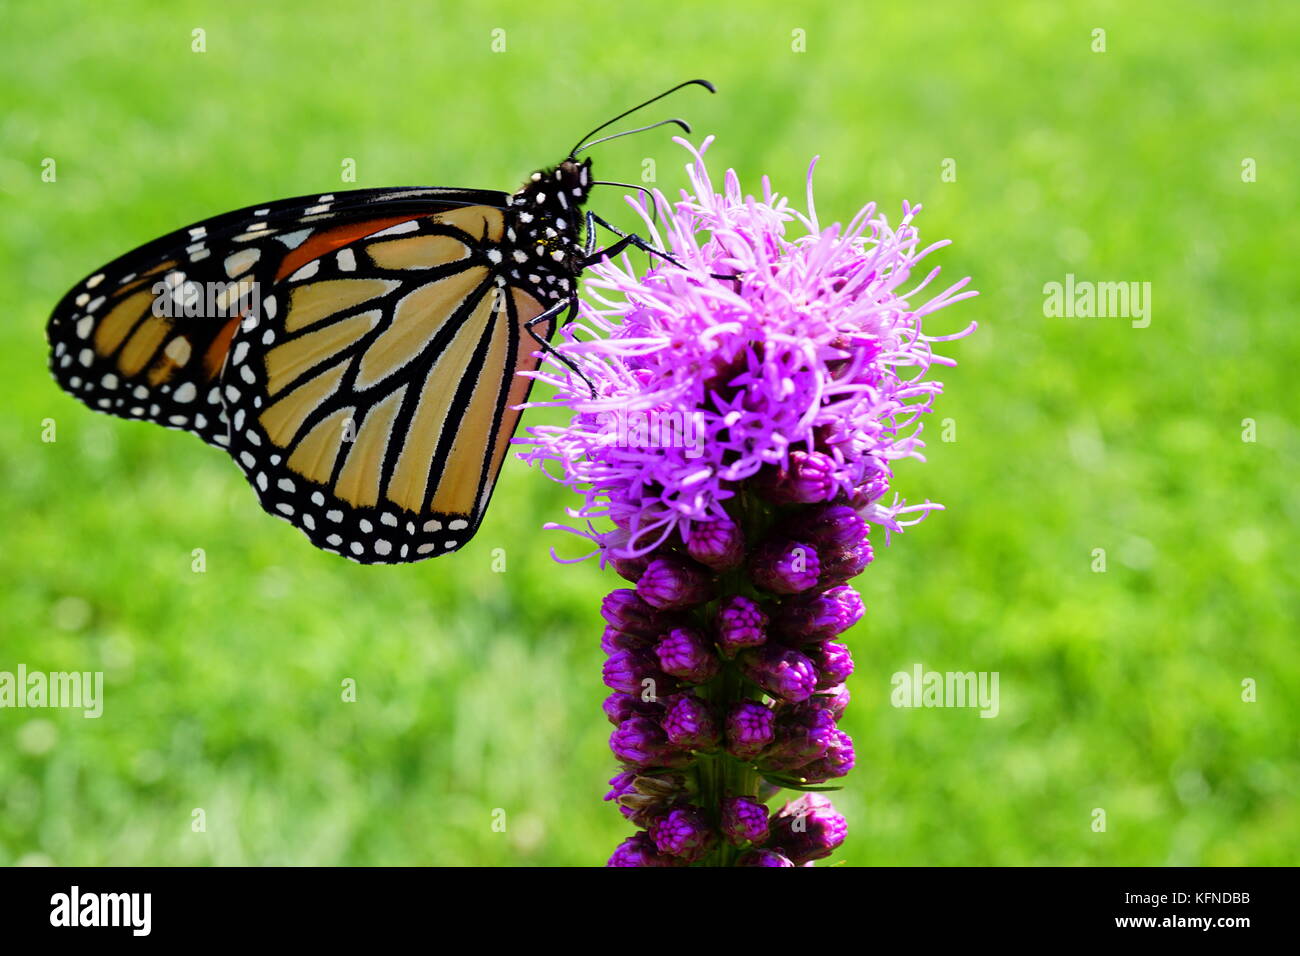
(360, 355)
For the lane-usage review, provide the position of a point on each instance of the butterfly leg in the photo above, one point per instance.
(626, 239)
(571, 305)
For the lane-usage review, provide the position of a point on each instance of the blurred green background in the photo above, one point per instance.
(477, 690)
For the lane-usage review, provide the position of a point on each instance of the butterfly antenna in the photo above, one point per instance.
(582, 144)
(654, 207)
(628, 132)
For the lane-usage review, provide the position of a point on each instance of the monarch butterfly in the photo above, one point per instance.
(357, 354)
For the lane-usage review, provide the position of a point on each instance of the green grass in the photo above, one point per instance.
(479, 690)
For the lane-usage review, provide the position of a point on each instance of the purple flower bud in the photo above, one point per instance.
(621, 783)
(630, 569)
(639, 850)
(686, 653)
(683, 832)
(810, 477)
(818, 616)
(615, 640)
(741, 623)
(717, 543)
(643, 796)
(748, 858)
(690, 723)
(838, 761)
(619, 707)
(641, 742)
(784, 566)
(833, 661)
(834, 699)
(744, 820)
(627, 672)
(803, 734)
(626, 611)
(673, 584)
(840, 565)
(827, 526)
(750, 728)
(807, 829)
(781, 671)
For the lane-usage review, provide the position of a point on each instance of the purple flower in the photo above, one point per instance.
(639, 850)
(841, 564)
(744, 820)
(641, 742)
(630, 569)
(802, 735)
(690, 723)
(827, 526)
(833, 699)
(624, 609)
(810, 477)
(615, 640)
(619, 707)
(642, 796)
(837, 762)
(672, 584)
(819, 347)
(683, 832)
(637, 672)
(833, 661)
(798, 353)
(741, 623)
(716, 543)
(686, 653)
(781, 671)
(750, 728)
(807, 829)
(784, 566)
(818, 616)
(748, 858)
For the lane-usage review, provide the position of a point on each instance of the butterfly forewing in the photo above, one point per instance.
(147, 335)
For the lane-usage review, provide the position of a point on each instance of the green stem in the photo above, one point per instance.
(720, 775)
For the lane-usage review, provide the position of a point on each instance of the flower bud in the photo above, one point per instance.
(833, 661)
(686, 653)
(641, 742)
(717, 543)
(690, 723)
(807, 829)
(818, 616)
(672, 584)
(748, 858)
(781, 671)
(683, 832)
(741, 623)
(744, 820)
(784, 566)
(750, 728)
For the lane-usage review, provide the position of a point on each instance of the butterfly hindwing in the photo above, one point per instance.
(370, 402)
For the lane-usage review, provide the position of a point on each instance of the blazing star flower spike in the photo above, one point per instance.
(736, 413)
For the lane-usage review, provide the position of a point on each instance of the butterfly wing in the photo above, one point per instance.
(361, 346)
(147, 335)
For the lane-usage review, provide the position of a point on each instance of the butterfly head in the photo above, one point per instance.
(545, 226)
